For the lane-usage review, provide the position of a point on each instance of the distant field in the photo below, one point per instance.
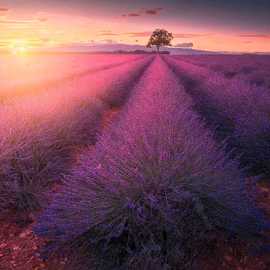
(149, 162)
(252, 68)
(34, 72)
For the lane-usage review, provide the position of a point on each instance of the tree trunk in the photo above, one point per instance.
(158, 49)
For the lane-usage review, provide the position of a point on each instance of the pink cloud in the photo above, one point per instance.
(14, 22)
(107, 33)
(43, 19)
(190, 35)
(22, 21)
(255, 36)
(139, 34)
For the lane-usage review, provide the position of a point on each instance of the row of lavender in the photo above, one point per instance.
(237, 110)
(40, 133)
(254, 69)
(154, 191)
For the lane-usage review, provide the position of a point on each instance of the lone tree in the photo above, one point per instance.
(160, 37)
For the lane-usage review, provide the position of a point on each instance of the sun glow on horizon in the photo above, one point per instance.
(20, 47)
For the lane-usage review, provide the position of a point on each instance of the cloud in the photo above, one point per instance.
(175, 35)
(4, 43)
(144, 11)
(109, 41)
(42, 19)
(133, 14)
(15, 21)
(22, 21)
(190, 35)
(45, 39)
(155, 11)
(139, 34)
(107, 33)
(255, 36)
(2, 9)
(184, 45)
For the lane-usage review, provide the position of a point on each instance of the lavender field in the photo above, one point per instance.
(152, 162)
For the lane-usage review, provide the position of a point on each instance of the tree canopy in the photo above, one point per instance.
(159, 38)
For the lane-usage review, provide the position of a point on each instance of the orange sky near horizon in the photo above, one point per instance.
(43, 29)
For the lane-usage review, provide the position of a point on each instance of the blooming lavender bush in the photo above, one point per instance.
(154, 191)
(35, 151)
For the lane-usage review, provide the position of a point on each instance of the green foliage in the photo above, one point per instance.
(160, 37)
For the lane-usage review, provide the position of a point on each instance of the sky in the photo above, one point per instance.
(216, 25)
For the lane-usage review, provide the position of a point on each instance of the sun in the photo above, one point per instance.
(19, 47)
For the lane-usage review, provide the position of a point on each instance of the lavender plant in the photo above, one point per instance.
(34, 153)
